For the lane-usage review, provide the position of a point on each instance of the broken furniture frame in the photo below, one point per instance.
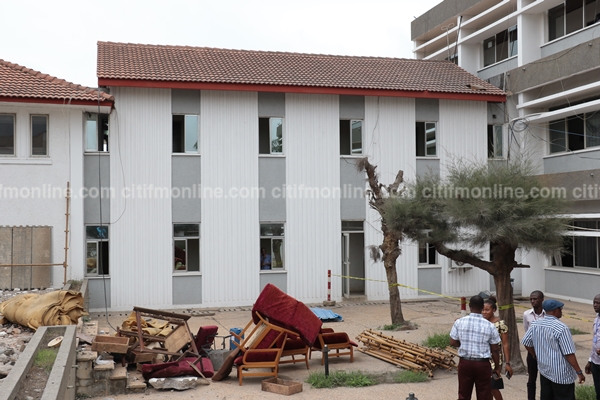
(335, 341)
(171, 344)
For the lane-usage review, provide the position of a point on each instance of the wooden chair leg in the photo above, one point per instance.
(239, 371)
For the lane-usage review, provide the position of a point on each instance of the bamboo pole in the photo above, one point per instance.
(65, 265)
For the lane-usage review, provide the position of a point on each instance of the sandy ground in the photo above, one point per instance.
(430, 316)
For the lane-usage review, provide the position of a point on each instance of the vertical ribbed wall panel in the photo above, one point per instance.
(389, 142)
(229, 249)
(313, 226)
(140, 232)
(462, 134)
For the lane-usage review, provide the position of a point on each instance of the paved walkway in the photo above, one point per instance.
(430, 316)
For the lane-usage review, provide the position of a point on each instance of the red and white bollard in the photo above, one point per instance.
(328, 302)
(463, 305)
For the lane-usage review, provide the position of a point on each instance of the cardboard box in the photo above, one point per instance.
(110, 344)
(281, 386)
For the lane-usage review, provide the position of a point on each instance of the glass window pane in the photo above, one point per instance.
(189, 230)
(556, 22)
(271, 229)
(91, 258)
(96, 232)
(178, 133)
(592, 12)
(39, 135)
(345, 145)
(7, 134)
(179, 251)
(502, 46)
(353, 226)
(430, 138)
(557, 132)
(264, 141)
(574, 15)
(91, 134)
(585, 252)
(191, 134)
(423, 253)
(276, 130)
(431, 256)
(498, 144)
(420, 131)
(592, 129)
(575, 129)
(278, 259)
(489, 51)
(103, 135)
(356, 137)
(193, 255)
(513, 48)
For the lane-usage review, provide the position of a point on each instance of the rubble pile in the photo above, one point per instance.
(405, 354)
(13, 339)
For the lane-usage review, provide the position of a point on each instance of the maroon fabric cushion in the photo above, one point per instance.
(268, 339)
(287, 312)
(294, 344)
(335, 338)
(205, 338)
(178, 368)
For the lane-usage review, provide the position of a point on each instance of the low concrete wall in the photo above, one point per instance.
(61, 382)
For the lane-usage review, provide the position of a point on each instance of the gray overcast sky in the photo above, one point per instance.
(59, 37)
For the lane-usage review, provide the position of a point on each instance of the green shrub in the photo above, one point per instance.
(437, 341)
(318, 380)
(585, 393)
(410, 377)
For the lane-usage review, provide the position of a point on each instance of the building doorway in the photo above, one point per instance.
(353, 258)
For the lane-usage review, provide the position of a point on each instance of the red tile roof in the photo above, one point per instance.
(126, 64)
(18, 83)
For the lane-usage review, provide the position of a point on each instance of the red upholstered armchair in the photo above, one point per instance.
(338, 341)
(295, 348)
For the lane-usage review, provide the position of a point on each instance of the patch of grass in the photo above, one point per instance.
(437, 341)
(45, 359)
(575, 331)
(585, 393)
(318, 380)
(519, 320)
(390, 327)
(410, 377)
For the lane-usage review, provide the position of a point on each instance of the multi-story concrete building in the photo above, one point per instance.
(546, 55)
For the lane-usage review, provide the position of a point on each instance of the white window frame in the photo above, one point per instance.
(359, 151)
(193, 122)
(96, 242)
(88, 116)
(274, 135)
(509, 44)
(425, 142)
(566, 135)
(14, 135)
(47, 152)
(186, 238)
(273, 237)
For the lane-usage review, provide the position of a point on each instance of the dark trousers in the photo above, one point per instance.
(596, 376)
(555, 391)
(532, 371)
(474, 373)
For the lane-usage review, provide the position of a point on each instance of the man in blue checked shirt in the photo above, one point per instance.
(593, 365)
(550, 342)
(477, 341)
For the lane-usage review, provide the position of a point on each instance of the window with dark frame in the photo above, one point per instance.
(427, 254)
(580, 249)
(39, 135)
(186, 247)
(571, 16)
(494, 136)
(7, 135)
(426, 139)
(501, 46)
(97, 255)
(270, 135)
(351, 137)
(185, 134)
(96, 132)
(573, 133)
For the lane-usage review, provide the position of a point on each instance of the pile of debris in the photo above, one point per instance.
(405, 354)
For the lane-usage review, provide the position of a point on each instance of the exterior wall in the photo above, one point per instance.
(390, 144)
(140, 233)
(96, 170)
(230, 243)
(186, 173)
(271, 177)
(352, 183)
(313, 225)
(572, 284)
(38, 177)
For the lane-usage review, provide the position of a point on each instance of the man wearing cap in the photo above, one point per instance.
(550, 342)
(593, 365)
(477, 341)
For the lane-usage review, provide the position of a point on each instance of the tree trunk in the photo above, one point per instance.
(391, 252)
(504, 294)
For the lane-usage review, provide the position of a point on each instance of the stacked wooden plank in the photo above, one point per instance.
(405, 354)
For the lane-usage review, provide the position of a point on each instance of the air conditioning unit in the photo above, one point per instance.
(454, 266)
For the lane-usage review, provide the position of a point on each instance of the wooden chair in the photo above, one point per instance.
(294, 347)
(259, 349)
(338, 341)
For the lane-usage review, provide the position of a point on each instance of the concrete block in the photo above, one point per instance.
(85, 382)
(41, 244)
(120, 372)
(177, 383)
(102, 374)
(84, 370)
(117, 386)
(95, 390)
(86, 356)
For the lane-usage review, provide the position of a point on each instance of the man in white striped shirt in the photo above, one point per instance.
(550, 342)
(536, 312)
(593, 365)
